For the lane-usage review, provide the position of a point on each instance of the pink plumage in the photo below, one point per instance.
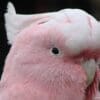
(52, 57)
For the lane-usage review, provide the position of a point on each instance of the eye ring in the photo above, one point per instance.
(55, 51)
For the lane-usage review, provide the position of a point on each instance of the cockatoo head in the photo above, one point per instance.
(54, 55)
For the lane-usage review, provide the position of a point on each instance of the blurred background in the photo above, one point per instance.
(39, 6)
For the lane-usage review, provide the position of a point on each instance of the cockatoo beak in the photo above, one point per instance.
(90, 67)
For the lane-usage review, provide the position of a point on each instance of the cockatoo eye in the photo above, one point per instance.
(55, 51)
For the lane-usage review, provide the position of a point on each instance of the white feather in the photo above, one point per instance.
(16, 22)
(11, 8)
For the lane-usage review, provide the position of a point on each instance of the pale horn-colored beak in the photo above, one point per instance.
(90, 67)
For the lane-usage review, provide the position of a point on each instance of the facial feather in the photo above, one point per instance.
(45, 60)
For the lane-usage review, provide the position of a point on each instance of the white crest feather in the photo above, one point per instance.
(11, 8)
(9, 22)
(16, 22)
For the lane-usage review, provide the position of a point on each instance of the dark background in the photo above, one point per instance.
(37, 6)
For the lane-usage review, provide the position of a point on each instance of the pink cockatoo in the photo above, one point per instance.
(54, 56)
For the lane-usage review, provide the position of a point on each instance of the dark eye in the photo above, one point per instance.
(55, 50)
